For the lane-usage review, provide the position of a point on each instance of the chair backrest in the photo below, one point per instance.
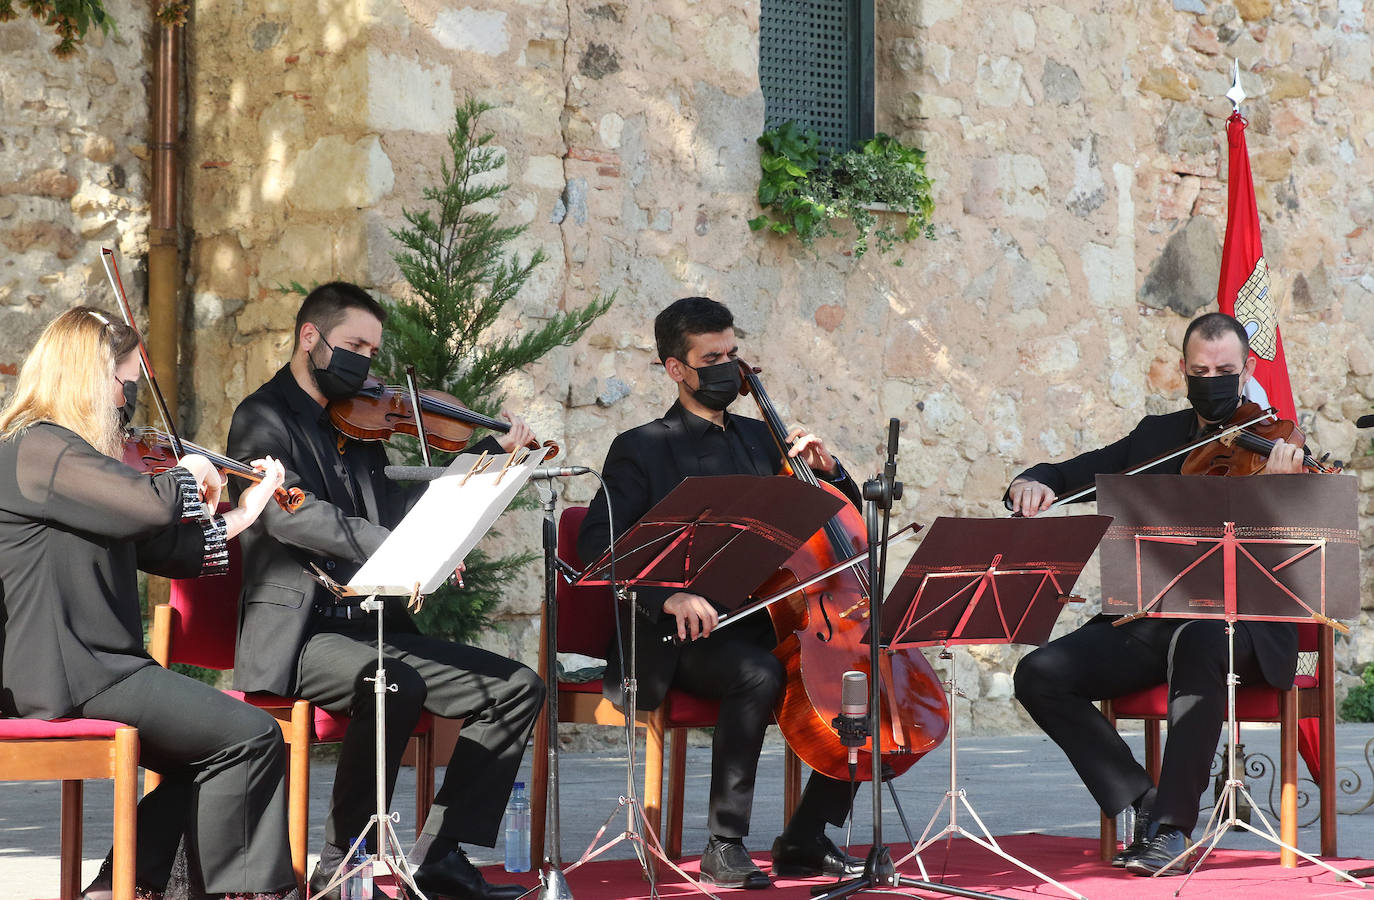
(205, 616)
(1308, 637)
(586, 615)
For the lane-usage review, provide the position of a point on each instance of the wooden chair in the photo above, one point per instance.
(198, 625)
(70, 751)
(586, 624)
(1311, 697)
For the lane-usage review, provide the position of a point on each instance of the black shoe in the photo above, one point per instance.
(455, 877)
(318, 879)
(727, 864)
(1167, 843)
(809, 857)
(1140, 838)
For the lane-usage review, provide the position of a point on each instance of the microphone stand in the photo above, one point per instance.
(879, 493)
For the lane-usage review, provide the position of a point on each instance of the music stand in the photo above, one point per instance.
(1178, 539)
(721, 536)
(986, 581)
(418, 555)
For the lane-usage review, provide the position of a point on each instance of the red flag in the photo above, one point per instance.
(1244, 290)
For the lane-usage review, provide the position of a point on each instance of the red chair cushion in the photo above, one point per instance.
(46, 730)
(1253, 704)
(586, 615)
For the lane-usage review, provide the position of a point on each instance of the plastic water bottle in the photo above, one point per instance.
(518, 830)
(358, 886)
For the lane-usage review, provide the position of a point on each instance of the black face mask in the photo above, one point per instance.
(126, 412)
(344, 375)
(718, 385)
(1214, 399)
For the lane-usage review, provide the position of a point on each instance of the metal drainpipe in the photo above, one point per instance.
(164, 257)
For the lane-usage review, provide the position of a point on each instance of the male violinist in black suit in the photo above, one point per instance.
(696, 344)
(1059, 682)
(297, 639)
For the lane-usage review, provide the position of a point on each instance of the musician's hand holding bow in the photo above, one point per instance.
(1029, 497)
(255, 498)
(1284, 459)
(811, 450)
(695, 615)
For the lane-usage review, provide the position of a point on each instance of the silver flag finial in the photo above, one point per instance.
(1237, 93)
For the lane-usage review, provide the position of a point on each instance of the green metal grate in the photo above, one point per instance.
(816, 67)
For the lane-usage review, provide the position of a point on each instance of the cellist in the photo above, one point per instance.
(696, 344)
(1059, 683)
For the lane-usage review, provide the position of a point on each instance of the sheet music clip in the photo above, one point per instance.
(329, 584)
(479, 465)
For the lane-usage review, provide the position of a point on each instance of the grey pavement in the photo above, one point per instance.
(1016, 784)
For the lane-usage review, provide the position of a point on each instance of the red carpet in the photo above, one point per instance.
(1227, 875)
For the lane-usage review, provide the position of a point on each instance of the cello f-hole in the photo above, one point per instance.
(829, 632)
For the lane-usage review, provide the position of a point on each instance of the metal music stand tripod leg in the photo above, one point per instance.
(956, 795)
(1226, 813)
(388, 845)
(879, 870)
(553, 886)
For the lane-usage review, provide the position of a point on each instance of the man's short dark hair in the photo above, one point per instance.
(684, 318)
(327, 305)
(1212, 326)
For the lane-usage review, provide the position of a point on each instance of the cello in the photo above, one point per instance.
(821, 630)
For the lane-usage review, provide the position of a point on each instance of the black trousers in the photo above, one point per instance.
(497, 697)
(736, 667)
(223, 766)
(1058, 684)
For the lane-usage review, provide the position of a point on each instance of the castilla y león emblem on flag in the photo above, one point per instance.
(1255, 311)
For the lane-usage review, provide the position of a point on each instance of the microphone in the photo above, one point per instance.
(548, 473)
(852, 722)
(1364, 422)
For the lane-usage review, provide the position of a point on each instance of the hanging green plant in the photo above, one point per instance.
(804, 191)
(70, 19)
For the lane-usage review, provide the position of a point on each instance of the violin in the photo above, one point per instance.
(152, 451)
(821, 630)
(377, 412)
(1246, 452)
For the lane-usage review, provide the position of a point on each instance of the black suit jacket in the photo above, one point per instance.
(1276, 643)
(642, 467)
(332, 529)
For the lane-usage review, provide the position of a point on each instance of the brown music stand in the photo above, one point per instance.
(721, 536)
(1207, 548)
(985, 581)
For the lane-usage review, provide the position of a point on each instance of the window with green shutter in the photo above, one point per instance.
(816, 67)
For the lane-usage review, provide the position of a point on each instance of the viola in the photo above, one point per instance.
(379, 411)
(1246, 451)
(152, 451)
(821, 630)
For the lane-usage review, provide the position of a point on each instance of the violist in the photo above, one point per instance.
(1059, 683)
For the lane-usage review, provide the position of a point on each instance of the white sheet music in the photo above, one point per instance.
(454, 513)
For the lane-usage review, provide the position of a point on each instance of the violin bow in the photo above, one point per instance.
(117, 285)
(1189, 448)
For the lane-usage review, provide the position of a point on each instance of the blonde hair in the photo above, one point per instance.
(66, 379)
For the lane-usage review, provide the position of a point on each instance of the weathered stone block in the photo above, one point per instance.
(477, 30)
(1169, 83)
(1284, 84)
(1253, 10)
(1184, 277)
(1060, 83)
(338, 174)
(998, 81)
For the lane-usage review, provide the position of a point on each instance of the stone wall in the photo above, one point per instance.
(73, 171)
(1079, 158)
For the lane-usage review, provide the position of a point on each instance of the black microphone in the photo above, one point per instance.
(852, 722)
(1364, 422)
(548, 473)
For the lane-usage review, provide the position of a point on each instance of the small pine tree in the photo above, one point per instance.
(457, 261)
